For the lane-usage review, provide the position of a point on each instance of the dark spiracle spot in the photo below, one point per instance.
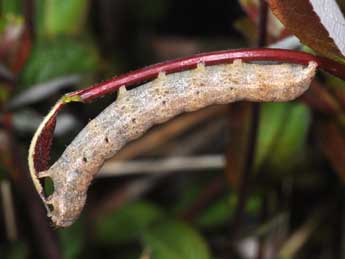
(50, 206)
(106, 139)
(134, 120)
(164, 102)
(84, 159)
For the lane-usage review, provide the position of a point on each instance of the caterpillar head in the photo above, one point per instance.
(65, 208)
(65, 204)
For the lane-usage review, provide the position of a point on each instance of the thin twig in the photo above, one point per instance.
(8, 209)
(302, 234)
(161, 166)
(211, 58)
(262, 25)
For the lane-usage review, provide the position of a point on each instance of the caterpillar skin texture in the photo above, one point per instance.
(155, 102)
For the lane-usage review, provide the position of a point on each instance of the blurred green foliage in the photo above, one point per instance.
(58, 57)
(128, 223)
(221, 211)
(13, 7)
(288, 150)
(282, 135)
(62, 47)
(174, 240)
(55, 18)
(64, 17)
(163, 237)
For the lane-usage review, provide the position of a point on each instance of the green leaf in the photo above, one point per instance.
(221, 211)
(63, 17)
(128, 223)
(288, 149)
(9, 7)
(282, 134)
(272, 120)
(218, 212)
(58, 57)
(175, 240)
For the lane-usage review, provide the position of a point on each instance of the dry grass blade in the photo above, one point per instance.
(160, 166)
(301, 235)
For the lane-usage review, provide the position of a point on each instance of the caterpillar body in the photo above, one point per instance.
(155, 102)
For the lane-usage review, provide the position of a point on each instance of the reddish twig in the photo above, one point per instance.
(262, 25)
(210, 58)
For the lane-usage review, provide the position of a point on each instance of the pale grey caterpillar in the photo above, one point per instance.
(155, 102)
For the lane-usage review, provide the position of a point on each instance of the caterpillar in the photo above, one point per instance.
(157, 101)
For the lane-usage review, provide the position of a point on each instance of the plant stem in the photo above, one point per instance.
(210, 58)
(262, 25)
(262, 41)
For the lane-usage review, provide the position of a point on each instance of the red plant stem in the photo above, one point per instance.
(211, 58)
(262, 25)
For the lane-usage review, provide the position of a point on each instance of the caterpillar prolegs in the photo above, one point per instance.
(157, 101)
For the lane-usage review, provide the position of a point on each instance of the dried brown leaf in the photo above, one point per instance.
(309, 21)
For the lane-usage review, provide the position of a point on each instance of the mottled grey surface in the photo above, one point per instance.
(157, 101)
